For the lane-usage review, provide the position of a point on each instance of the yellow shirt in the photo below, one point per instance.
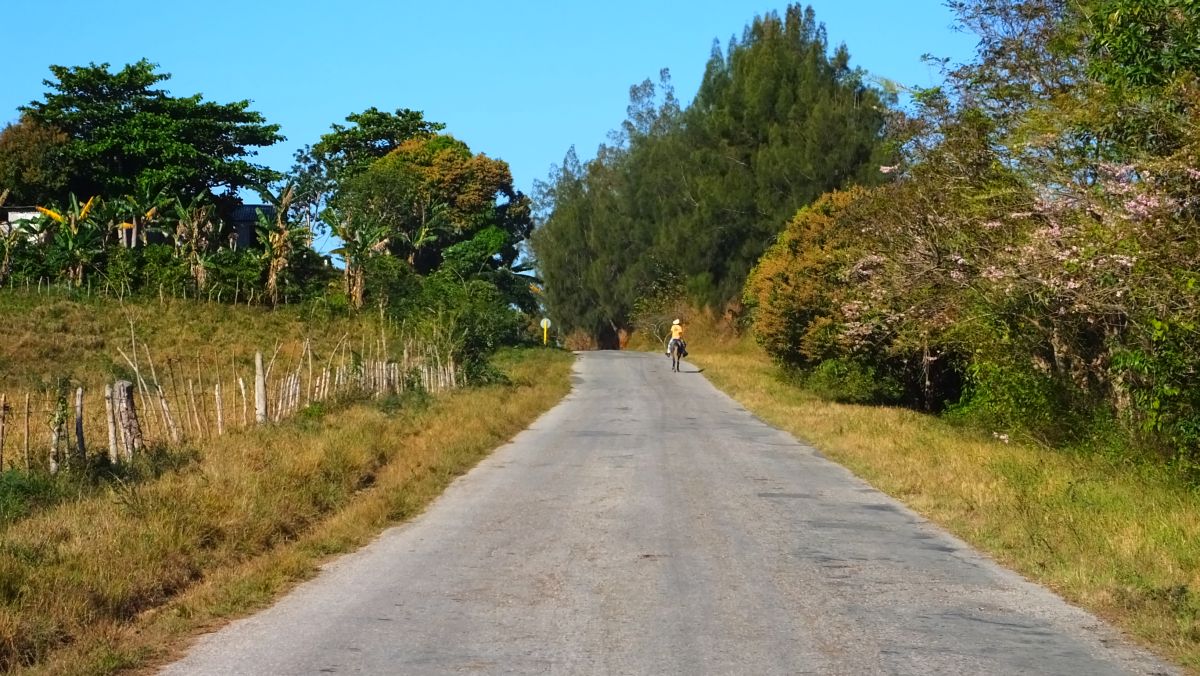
(676, 331)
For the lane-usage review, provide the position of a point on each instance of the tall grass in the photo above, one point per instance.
(116, 580)
(1119, 538)
(194, 363)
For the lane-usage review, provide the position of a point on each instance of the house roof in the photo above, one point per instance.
(249, 212)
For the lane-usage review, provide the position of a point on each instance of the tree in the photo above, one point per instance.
(281, 239)
(195, 229)
(432, 193)
(345, 152)
(31, 161)
(363, 238)
(780, 118)
(126, 136)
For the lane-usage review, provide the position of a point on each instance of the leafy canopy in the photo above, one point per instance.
(125, 135)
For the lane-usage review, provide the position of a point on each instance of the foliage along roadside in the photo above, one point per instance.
(1120, 539)
(256, 514)
(1031, 265)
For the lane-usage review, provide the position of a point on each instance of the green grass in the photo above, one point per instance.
(1121, 539)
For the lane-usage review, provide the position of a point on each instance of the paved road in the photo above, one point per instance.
(649, 525)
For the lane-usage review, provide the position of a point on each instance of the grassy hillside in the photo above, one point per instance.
(53, 335)
(1119, 538)
(112, 568)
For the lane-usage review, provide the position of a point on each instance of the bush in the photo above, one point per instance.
(163, 271)
(853, 381)
(1018, 397)
(792, 291)
(234, 274)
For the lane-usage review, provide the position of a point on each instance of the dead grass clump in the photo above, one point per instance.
(579, 340)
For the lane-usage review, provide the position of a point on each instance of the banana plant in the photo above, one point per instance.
(76, 239)
(362, 239)
(9, 240)
(195, 227)
(140, 215)
(280, 237)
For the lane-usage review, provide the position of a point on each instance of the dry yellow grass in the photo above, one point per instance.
(118, 581)
(1122, 540)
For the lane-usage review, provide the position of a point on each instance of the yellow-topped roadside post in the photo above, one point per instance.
(545, 330)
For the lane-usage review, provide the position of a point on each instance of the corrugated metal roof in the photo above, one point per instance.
(249, 212)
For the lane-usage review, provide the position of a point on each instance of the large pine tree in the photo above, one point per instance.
(699, 193)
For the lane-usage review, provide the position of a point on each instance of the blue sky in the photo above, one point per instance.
(521, 81)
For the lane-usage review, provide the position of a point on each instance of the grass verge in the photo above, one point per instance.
(1120, 539)
(118, 581)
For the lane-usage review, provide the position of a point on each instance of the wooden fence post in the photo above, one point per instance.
(242, 389)
(220, 409)
(80, 445)
(166, 409)
(111, 419)
(131, 430)
(260, 390)
(3, 426)
(28, 461)
(200, 431)
(58, 423)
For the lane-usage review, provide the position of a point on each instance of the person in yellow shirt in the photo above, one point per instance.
(677, 334)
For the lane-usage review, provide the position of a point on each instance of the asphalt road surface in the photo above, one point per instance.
(650, 525)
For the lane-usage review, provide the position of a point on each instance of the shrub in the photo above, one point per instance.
(792, 292)
(853, 381)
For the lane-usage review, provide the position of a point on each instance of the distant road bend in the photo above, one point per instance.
(649, 525)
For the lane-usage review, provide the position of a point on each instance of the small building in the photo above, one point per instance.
(243, 223)
(11, 217)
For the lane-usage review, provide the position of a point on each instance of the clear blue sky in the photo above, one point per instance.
(517, 80)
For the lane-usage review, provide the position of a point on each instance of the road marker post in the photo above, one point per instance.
(545, 330)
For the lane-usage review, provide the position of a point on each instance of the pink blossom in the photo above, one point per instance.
(1143, 207)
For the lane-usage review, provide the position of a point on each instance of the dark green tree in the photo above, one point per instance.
(126, 136)
(701, 192)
